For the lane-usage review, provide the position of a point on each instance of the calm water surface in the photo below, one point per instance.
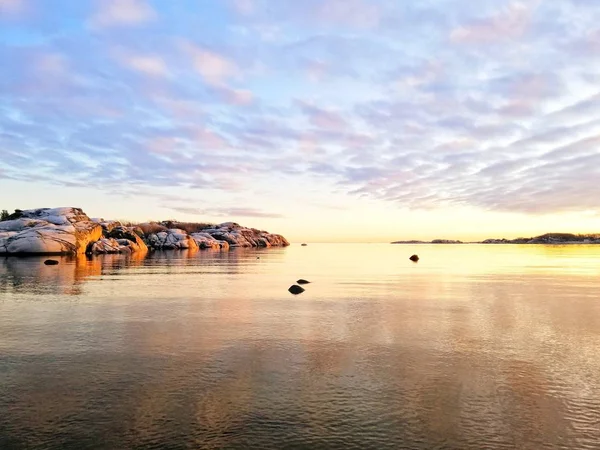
(473, 347)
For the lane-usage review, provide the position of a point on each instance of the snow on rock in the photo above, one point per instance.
(107, 225)
(205, 240)
(71, 231)
(128, 237)
(171, 239)
(48, 231)
(238, 236)
(105, 245)
(117, 239)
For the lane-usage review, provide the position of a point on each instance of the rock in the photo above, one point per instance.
(302, 281)
(237, 236)
(131, 235)
(172, 239)
(304, 245)
(51, 262)
(414, 258)
(71, 231)
(48, 231)
(205, 240)
(104, 246)
(295, 289)
(107, 225)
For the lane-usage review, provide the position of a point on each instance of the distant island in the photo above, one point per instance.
(548, 238)
(435, 241)
(46, 231)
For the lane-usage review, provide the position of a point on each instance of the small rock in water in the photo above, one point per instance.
(302, 281)
(304, 245)
(414, 258)
(51, 262)
(295, 289)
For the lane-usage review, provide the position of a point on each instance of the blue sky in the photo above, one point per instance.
(320, 119)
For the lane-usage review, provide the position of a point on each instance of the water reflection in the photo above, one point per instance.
(471, 348)
(30, 274)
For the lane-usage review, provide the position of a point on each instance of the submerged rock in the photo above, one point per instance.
(295, 289)
(302, 281)
(51, 262)
(414, 258)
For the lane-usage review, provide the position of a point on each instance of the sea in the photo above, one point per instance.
(472, 347)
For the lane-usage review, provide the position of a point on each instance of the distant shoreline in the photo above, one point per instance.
(548, 238)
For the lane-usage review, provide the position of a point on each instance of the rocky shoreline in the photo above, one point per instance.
(64, 231)
(548, 239)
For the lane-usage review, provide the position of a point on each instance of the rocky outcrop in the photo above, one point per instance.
(111, 245)
(71, 231)
(238, 236)
(172, 239)
(205, 240)
(224, 236)
(48, 231)
(117, 238)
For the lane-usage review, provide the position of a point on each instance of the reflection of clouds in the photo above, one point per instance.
(473, 346)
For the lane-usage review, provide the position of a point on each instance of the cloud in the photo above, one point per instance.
(511, 22)
(148, 64)
(323, 119)
(225, 212)
(112, 13)
(216, 69)
(12, 8)
(245, 7)
(235, 96)
(360, 14)
(371, 100)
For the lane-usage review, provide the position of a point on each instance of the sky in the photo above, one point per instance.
(322, 120)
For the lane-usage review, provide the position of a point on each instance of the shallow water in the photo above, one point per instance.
(473, 347)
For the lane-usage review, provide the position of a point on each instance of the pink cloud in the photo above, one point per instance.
(152, 65)
(326, 120)
(428, 73)
(213, 67)
(179, 108)
(308, 144)
(244, 7)
(209, 139)
(527, 94)
(51, 64)
(356, 13)
(163, 145)
(316, 70)
(236, 96)
(512, 22)
(358, 141)
(47, 72)
(12, 8)
(123, 13)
